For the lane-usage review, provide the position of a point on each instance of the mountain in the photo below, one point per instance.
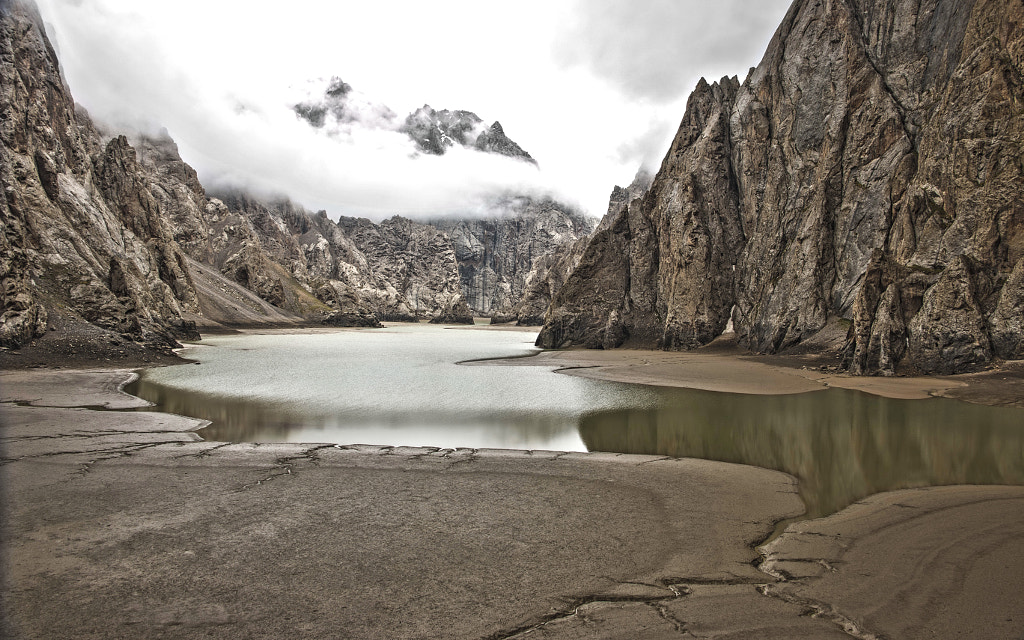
(85, 245)
(111, 247)
(434, 132)
(496, 247)
(859, 194)
(497, 253)
(549, 272)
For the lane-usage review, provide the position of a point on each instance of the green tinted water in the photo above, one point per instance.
(402, 386)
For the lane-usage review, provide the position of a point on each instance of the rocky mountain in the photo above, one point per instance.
(84, 242)
(415, 266)
(434, 132)
(860, 191)
(497, 253)
(110, 245)
(494, 249)
(549, 272)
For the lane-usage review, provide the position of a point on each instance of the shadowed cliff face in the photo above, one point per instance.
(867, 173)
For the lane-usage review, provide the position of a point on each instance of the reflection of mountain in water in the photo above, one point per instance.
(842, 445)
(249, 420)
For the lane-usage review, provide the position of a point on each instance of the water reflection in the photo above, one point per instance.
(401, 386)
(842, 445)
(242, 420)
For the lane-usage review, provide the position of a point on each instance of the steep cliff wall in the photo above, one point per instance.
(83, 241)
(867, 173)
(414, 267)
(496, 254)
(549, 272)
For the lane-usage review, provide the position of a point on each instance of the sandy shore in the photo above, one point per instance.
(125, 524)
(735, 371)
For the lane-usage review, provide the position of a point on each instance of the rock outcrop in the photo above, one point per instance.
(414, 269)
(84, 242)
(868, 172)
(435, 132)
(549, 272)
(496, 254)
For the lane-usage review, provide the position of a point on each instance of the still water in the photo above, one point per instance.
(402, 386)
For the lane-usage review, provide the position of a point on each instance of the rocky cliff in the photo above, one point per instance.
(864, 181)
(497, 253)
(414, 266)
(84, 243)
(549, 272)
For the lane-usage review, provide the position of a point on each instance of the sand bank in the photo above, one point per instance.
(126, 524)
(734, 371)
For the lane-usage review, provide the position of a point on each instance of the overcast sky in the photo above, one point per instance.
(591, 88)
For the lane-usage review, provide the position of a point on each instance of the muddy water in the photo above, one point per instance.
(842, 445)
(402, 386)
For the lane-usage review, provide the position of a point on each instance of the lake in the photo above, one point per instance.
(403, 386)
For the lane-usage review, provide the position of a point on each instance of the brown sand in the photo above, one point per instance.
(731, 370)
(126, 524)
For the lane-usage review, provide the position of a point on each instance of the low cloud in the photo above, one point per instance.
(648, 149)
(655, 50)
(358, 163)
(224, 81)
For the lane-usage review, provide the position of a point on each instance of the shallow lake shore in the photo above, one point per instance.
(120, 523)
(732, 370)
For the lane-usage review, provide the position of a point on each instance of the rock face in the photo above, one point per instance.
(414, 270)
(496, 254)
(84, 242)
(867, 172)
(435, 132)
(549, 272)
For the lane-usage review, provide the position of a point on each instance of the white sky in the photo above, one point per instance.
(591, 88)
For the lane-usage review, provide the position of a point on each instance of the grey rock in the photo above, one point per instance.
(496, 254)
(867, 170)
(1006, 324)
(85, 244)
(948, 334)
(414, 269)
(550, 271)
(494, 140)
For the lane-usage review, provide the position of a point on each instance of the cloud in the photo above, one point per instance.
(224, 81)
(652, 50)
(648, 148)
(359, 164)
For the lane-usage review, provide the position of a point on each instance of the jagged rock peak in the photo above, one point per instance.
(435, 132)
(494, 140)
(866, 174)
(341, 105)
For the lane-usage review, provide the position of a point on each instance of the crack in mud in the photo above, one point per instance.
(574, 606)
(822, 610)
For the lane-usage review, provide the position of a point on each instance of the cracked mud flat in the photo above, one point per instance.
(125, 524)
